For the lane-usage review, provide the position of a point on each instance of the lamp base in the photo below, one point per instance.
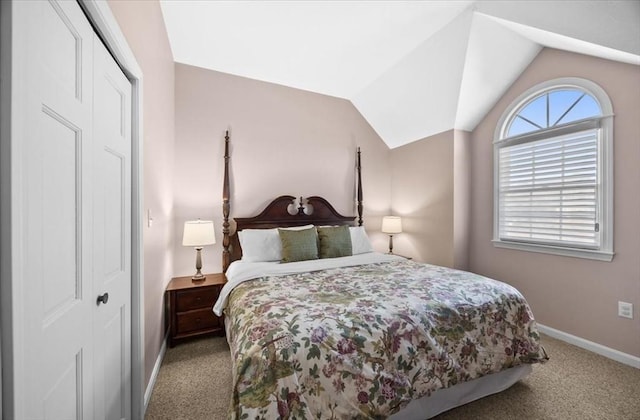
(198, 276)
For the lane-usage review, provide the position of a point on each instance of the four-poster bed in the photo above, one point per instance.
(361, 335)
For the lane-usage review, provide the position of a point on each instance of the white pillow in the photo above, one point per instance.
(359, 240)
(260, 245)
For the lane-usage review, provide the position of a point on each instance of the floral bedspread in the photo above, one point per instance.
(363, 341)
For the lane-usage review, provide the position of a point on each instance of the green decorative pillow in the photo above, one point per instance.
(299, 245)
(335, 241)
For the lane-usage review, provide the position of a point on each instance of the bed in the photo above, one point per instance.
(365, 335)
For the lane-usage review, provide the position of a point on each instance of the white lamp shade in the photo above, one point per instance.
(198, 233)
(391, 224)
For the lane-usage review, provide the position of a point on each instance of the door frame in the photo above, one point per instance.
(104, 23)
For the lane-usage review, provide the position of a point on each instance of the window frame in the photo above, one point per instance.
(605, 165)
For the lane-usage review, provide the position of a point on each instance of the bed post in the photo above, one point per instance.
(359, 189)
(225, 206)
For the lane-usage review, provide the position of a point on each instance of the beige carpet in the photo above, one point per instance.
(194, 383)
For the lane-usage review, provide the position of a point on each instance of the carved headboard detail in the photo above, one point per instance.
(277, 214)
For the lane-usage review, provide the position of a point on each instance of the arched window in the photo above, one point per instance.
(553, 171)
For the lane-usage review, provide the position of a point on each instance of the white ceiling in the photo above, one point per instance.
(412, 68)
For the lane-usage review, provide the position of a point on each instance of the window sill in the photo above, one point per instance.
(554, 250)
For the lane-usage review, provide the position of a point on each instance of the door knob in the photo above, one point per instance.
(103, 298)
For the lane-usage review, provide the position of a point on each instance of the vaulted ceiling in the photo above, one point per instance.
(412, 68)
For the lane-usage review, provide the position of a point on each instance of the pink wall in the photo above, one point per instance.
(430, 191)
(573, 295)
(422, 194)
(461, 198)
(143, 26)
(283, 141)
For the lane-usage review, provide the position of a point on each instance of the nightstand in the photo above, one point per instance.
(189, 307)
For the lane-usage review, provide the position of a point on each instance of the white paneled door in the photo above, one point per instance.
(73, 216)
(111, 236)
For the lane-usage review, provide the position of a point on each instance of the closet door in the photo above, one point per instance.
(112, 237)
(71, 215)
(53, 291)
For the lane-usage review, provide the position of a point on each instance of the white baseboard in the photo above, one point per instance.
(608, 352)
(154, 374)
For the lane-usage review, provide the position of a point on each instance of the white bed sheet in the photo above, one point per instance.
(462, 393)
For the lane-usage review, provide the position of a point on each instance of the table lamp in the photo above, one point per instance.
(198, 233)
(391, 225)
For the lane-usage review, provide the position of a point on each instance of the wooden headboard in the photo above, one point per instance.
(277, 214)
(314, 211)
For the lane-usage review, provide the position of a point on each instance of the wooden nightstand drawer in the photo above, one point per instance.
(187, 300)
(189, 307)
(196, 320)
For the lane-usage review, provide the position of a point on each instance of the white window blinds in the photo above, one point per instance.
(548, 190)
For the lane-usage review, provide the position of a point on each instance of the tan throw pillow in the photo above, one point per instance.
(335, 241)
(299, 245)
